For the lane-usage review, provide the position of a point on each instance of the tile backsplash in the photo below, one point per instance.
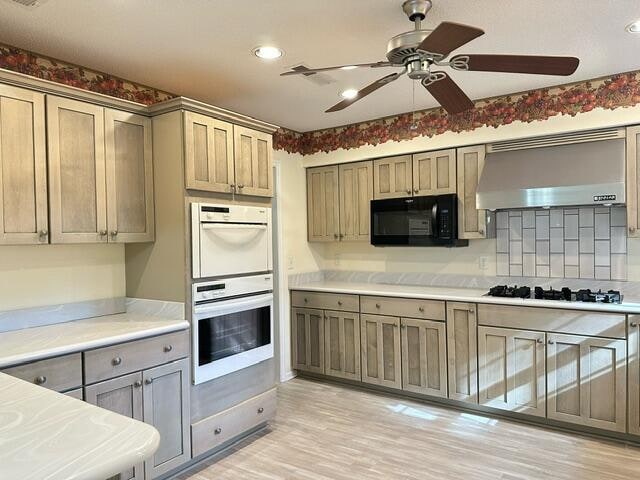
(585, 242)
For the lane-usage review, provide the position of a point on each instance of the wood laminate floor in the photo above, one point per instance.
(327, 431)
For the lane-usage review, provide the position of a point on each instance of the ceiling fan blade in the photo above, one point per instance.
(302, 70)
(541, 65)
(447, 92)
(447, 37)
(363, 92)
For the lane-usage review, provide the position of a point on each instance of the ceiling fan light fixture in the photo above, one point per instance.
(349, 67)
(633, 27)
(349, 93)
(268, 52)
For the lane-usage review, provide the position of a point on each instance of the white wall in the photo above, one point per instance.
(40, 275)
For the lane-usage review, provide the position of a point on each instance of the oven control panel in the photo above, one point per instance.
(205, 292)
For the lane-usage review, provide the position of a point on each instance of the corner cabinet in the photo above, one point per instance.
(23, 167)
(634, 374)
(462, 341)
(472, 222)
(323, 203)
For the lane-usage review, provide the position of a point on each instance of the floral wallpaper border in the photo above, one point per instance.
(46, 68)
(617, 91)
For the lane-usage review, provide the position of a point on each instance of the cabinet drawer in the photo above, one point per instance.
(215, 430)
(60, 373)
(404, 307)
(113, 361)
(326, 301)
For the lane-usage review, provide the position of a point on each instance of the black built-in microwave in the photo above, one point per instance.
(416, 221)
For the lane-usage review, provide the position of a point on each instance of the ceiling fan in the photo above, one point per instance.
(418, 50)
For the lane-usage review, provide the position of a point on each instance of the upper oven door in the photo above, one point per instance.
(233, 249)
(404, 221)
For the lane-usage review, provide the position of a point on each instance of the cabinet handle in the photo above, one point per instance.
(421, 309)
(633, 324)
(40, 380)
(377, 305)
(168, 348)
(114, 233)
(261, 410)
(102, 233)
(116, 361)
(218, 431)
(148, 381)
(137, 384)
(551, 342)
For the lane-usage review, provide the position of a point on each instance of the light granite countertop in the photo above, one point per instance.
(46, 435)
(30, 344)
(457, 295)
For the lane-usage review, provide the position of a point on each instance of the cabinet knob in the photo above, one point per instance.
(218, 431)
(168, 348)
(551, 342)
(148, 381)
(539, 340)
(114, 233)
(102, 233)
(335, 235)
(415, 190)
(43, 233)
(232, 187)
(471, 310)
(633, 324)
(408, 191)
(481, 232)
(341, 236)
(116, 361)
(261, 410)
(403, 326)
(421, 309)
(306, 300)
(40, 380)
(632, 229)
(377, 305)
(240, 186)
(137, 384)
(340, 302)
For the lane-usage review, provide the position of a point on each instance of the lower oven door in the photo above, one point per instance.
(230, 335)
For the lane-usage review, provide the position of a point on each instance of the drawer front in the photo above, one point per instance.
(213, 431)
(574, 322)
(77, 394)
(109, 362)
(325, 301)
(404, 307)
(60, 373)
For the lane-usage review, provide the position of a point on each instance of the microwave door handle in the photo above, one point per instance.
(434, 220)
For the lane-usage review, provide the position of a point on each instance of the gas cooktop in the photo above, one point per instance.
(566, 294)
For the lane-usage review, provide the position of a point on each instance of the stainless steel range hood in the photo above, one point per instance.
(587, 173)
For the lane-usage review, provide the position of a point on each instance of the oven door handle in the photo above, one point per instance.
(234, 234)
(224, 307)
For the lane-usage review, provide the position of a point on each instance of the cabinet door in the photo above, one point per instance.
(511, 370)
(77, 186)
(634, 374)
(167, 408)
(129, 177)
(633, 181)
(472, 222)
(23, 167)
(342, 344)
(392, 177)
(587, 381)
(323, 204)
(307, 331)
(208, 153)
(424, 357)
(356, 193)
(253, 162)
(462, 351)
(381, 358)
(434, 173)
(121, 395)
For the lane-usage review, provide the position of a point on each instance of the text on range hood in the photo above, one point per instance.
(588, 173)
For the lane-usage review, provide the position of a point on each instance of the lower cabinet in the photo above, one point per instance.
(634, 374)
(424, 356)
(462, 351)
(380, 347)
(307, 330)
(342, 344)
(587, 381)
(158, 396)
(511, 370)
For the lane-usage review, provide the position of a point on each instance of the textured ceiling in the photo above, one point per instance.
(202, 48)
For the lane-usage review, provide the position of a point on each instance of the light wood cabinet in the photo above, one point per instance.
(166, 407)
(323, 218)
(392, 177)
(472, 222)
(634, 374)
(253, 152)
(77, 183)
(208, 153)
(633, 181)
(380, 346)
(462, 351)
(23, 167)
(129, 176)
(121, 395)
(307, 330)
(424, 356)
(434, 173)
(511, 370)
(356, 193)
(587, 381)
(342, 344)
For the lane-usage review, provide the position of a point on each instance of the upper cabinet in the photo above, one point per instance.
(221, 157)
(23, 168)
(472, 222)
(633, 180)
(323, 218)
(392, 177)
(100, 174)
(356, 193)
(434, 173)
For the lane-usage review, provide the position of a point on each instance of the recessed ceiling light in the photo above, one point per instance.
(349, 93)
(268, 53)
(633, 27)
(348, 67)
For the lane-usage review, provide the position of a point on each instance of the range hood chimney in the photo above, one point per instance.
(585, 168)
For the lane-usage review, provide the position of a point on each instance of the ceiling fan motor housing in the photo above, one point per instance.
(416, 9)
